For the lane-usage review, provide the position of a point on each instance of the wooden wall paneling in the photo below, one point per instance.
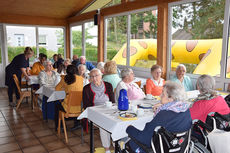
(67, 39)
(31, 20)
(162, 36)
(100, 56)
(121, 8)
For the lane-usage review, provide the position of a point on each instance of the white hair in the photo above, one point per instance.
(46, 63)
(82, 57)
(100, 65)
(95, 70)
(179, 66)
(126, 72)
(175, 91)
(81, 65)
(206, 84)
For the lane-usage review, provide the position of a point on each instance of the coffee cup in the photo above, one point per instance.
(140, 112)
(134, 108)
(149, 96)
(108, 104)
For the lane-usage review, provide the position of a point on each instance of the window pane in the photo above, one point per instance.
(19, 37)
(143, 43)
(0, 48)
(116, 39)
(91, 41)
(77, 40)
(51, 41)
(197, 30)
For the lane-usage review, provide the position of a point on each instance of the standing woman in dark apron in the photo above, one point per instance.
(18, 66)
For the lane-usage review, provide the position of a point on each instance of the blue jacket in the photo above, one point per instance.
(171, 121)
(88, 65)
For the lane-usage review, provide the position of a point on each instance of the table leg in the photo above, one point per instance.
(116, 147)
(91, 137)
(46, 110)
(31, 88)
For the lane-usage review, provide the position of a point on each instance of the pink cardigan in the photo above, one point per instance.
(202, 108)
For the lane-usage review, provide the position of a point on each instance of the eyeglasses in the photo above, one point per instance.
(94, 76)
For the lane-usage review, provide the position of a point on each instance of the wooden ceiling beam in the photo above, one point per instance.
(121, 8)
(31, 20)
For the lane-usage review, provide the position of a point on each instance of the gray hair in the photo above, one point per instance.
(46, 63)
(126, 72)
(175, 91)
(95, 70)
(100, 65)
(81, 65)
(179, 66)
(206, 84)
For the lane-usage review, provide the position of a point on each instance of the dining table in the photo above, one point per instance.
(108, 119)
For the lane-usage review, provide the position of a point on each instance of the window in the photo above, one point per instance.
(51, 41)
(42, 40)
(19, 37)
(143, 43)
(76, 37)
(228, 59)
(197, 31)
(116, 39)
(91, 32)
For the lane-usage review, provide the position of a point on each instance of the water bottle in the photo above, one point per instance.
(123, 101)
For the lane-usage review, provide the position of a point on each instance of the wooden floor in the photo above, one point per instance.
(24, 131)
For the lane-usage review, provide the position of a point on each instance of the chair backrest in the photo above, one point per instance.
(75, 99)
(138, 83)
(16, 81)
(165, 142)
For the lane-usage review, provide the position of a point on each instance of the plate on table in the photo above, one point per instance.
(128, 115)
(145, 106)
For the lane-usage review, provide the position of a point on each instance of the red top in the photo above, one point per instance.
(202, 108)
(151, 88)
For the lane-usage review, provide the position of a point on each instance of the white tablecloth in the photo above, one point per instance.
(33, 79)
(107, 118)
(51, 93)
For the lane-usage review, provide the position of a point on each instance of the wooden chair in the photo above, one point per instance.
(23, 94)
(138, 83)
(75, 99)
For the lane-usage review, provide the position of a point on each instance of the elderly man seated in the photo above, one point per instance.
(83, 61)
(38, 66)
(75, 60)
(181, 78)
(134, 92)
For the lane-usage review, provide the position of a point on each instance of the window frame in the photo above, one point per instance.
(140, 71)
(222, 80)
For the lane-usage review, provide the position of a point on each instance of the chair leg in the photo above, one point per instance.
(59, 125)
(20, 101)
(64, 126)
(82, 136)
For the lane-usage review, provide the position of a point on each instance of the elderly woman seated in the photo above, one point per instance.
(82, 71)
(48, 77)
(154, 86)
(134, 92)
(38, 66)
(97, 93)
(100, 66)
(180, 77)
(172, 114)
(110, 74)
(207, 101)
(71, 82)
